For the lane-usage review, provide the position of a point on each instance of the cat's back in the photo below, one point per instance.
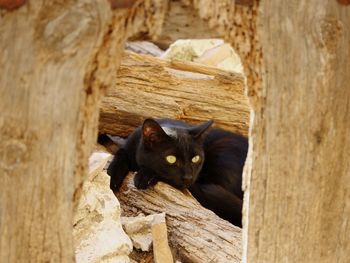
(219, 138)
(225, 154)
(227, 145)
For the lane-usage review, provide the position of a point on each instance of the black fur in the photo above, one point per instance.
(215, 181)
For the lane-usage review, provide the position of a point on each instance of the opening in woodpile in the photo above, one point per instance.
(189, 74)
(193, 81)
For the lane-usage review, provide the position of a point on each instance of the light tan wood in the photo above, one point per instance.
(124, 23)
(235, 21)
(161, 249)
(183, 22)
(152, 87)
(46, 52)
(196, 234)
(56, 60)
(299, 173)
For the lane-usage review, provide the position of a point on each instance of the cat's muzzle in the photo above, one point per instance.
(187, 181)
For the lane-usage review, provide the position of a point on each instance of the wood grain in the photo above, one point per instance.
(56, 58)
(183, 22)
(152, 87)
(298, 184)
(236, 23)
(45, 53)
(196, 234)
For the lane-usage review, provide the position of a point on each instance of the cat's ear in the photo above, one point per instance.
(201, 130)
(152, 133)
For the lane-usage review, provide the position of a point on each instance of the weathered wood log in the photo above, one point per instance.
(182, 22)
(122, 23)
(195, 233)
(47, 52)
(56, 57)
(234, 21)
(152, 87)
(299, 178)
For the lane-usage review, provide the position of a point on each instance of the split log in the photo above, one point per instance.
(148, 86)
(196, 234)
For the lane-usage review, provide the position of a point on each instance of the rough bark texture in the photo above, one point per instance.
(55, 58)
(144, 17)
(45, 52)
(182, 22)
(237, 24)
(299, 191)
(152, 87)
(195, 233)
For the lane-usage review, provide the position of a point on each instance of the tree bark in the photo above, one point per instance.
(56, 59)
(299, 173)
(152, 87)
(144, 17)
(46, 51)
(182, 22)
(235, 22)
(196, 234)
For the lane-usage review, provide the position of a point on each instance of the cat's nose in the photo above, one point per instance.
(187, 179)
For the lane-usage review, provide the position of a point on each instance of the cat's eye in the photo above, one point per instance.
(196, 159)
(171, 159)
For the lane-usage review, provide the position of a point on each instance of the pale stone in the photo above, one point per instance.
(139, 230)
(97, 230)
(189, 49)
(211, 52)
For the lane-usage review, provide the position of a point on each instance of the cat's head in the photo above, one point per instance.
(176, 154)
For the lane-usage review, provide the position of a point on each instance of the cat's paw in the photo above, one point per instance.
(143, 181)
(118, 169)
(115, 184)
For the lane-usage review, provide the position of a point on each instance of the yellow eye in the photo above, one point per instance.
(171, 159)
(196, 159)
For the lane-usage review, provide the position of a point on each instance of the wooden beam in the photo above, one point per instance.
(195, 234)
(151, 87)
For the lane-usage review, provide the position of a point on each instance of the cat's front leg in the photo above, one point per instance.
(145, 178)
(118, 169)
(221, 201)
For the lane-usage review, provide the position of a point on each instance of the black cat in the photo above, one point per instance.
(209, 162)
